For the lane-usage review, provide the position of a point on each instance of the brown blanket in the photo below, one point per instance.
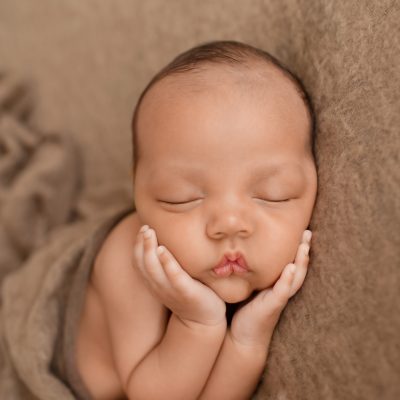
(39, 177)
(46, 253)
(41, 306)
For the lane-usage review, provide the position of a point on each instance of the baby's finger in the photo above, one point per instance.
(301, 261)
(151, 263)
(307, 235)
(138, 253)
(282, 288)
(180, 280)
(139, 257)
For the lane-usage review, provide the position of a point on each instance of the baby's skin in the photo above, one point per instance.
(224, 166)
(245, 346)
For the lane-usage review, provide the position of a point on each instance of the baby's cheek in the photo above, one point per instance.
(267, 277)
(270, 268)
(183, 249)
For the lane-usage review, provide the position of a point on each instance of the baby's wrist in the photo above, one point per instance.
(204, 326)
(249, 345)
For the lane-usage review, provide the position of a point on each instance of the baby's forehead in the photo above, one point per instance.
(251, 79)
(249, 93)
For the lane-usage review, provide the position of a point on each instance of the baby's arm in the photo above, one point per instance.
(178, 367)
(245, 348)
(156, 357)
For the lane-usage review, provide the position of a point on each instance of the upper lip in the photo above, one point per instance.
(236, 257)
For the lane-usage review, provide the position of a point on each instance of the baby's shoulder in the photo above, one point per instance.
(114, 265)
(135, 318)
(119, 241)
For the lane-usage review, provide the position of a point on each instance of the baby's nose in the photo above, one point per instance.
(229, 224)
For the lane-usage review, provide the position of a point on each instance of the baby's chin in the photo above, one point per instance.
(233, 293)
(234, 299)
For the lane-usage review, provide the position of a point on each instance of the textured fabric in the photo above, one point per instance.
(39, 177)
(42, 303)
(47, 251)
(64, 353)
(338, 337)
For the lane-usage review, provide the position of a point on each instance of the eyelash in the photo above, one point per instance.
(275, 201)
(189, 201)
(180, 203)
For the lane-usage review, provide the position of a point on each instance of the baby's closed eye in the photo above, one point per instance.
(185, 201)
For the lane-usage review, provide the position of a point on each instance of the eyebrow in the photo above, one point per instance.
(260, 171)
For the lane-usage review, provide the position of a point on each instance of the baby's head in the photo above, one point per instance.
(223, 142)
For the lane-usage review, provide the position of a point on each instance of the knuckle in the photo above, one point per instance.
(305, 249)
(149, 255)
(173, 270)
(169, 267)
(175, 277)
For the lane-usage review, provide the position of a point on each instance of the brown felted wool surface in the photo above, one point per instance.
(87, 62)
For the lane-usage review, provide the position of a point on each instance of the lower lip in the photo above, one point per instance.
(228, 269)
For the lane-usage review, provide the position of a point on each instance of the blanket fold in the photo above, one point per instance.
(39, 178)
(42, 302)
(46, 254)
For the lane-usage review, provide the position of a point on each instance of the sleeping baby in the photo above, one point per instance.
(186, 291)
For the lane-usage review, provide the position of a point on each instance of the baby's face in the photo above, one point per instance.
(232, 154)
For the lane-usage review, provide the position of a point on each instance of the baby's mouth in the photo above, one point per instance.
(227, 266)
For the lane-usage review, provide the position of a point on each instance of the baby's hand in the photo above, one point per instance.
(253, 324)
(192, 301)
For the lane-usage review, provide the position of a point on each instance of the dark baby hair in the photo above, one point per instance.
(220, 52)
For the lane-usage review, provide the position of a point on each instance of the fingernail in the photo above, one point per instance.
(308, 235)
(160, 250)
(148, 233)
(144, 228)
